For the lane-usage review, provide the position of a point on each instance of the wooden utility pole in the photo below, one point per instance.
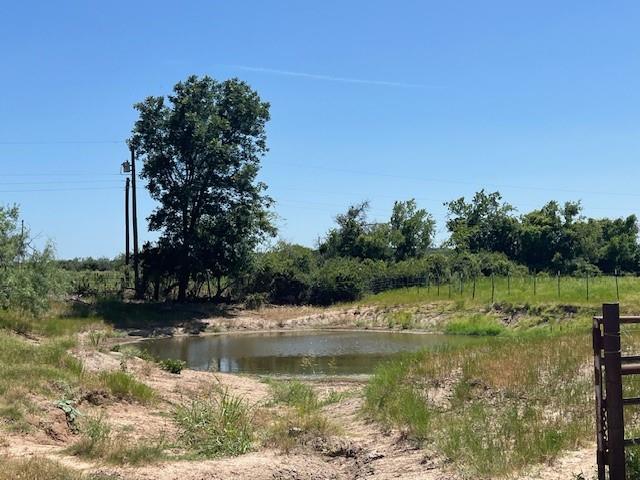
(136, 273)
(126, 221)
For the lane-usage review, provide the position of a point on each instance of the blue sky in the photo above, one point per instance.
(375, 100)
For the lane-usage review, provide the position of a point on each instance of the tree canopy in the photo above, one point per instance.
(408, 234)
(201, 148)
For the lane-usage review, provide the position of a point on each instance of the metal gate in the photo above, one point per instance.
(611, 366)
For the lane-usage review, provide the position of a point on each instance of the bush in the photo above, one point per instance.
(172, 366)
(338, 280)
(255, 301)
(215, 427)
(284, 274)
(28, 277)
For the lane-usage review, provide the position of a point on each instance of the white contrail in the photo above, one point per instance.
(330, 78)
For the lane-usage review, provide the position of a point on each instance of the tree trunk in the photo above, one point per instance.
(156, 288)
(183, 283)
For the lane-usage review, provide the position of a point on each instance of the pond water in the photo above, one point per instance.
(295, 353)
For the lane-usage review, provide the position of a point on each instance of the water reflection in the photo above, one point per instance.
(317, 352)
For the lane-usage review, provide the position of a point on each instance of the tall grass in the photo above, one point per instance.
(216, 426)
(493, 407)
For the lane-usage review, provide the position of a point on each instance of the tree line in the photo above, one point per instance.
(201, 148)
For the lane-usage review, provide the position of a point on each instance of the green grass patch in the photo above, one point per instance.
(295, 394)
(124, 386)
(521, 290)
(477, 325)
(402, 319)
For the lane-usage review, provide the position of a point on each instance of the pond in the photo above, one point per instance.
(295, 353)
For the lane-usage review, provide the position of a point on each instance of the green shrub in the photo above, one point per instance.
(172, 365)
(338, 280)
(217, 426)
(255, 301)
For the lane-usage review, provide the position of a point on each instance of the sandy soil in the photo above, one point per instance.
(362, 450)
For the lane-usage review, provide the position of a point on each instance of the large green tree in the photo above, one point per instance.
(412, 230)
(485, 223)
(201, 148)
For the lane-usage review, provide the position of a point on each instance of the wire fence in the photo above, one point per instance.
(515, 288)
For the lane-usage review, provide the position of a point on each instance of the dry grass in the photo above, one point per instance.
(495, 407)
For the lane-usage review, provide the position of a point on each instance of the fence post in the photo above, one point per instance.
(473, 295)
(534, 283)
(617, 288)
(508, 283)
(558, 284)
(587, 286)
(597, 370)
(493, 288)
(613, 381)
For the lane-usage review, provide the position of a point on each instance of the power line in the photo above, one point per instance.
(459, 182)
(61, 142)
(57, 174)
(59, 182)
(60, 189)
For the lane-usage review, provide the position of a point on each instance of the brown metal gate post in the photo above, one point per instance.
(614, 404)
(600, 414)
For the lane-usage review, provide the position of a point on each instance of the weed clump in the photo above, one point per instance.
(216, 426)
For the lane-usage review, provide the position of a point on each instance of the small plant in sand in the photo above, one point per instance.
(172, 365)
(72, 414)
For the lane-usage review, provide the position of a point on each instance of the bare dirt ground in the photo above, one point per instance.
(361, 450)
